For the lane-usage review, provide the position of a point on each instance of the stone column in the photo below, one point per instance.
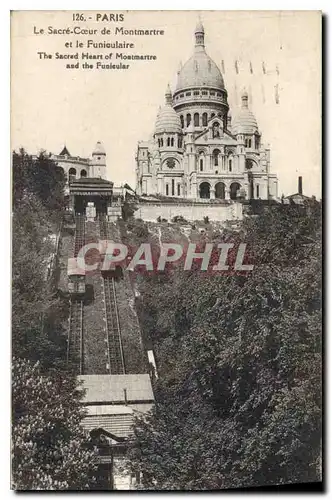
(212, 193)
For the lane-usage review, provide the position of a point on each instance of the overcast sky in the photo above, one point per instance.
(53, 106)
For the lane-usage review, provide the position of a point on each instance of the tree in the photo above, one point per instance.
(49, 444)
(238, 401)
(38, 201)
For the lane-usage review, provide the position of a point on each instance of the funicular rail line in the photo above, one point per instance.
(76, 313)
(75, 335)
(79, 234)
(113, 330)
(116, 364)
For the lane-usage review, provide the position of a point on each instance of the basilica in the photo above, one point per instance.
(197, 151)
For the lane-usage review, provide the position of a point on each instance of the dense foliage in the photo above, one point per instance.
(49, 445)
(38, 203)
(238, 401)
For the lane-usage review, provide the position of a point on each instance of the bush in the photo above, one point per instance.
(180, 218)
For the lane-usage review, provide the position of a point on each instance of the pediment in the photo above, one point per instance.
(226, 139)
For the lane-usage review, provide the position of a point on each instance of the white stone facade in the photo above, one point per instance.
(196, 152)
(76, 167)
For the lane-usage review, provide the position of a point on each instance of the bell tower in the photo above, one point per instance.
(98, 162)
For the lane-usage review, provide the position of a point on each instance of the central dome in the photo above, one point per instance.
(200, 70)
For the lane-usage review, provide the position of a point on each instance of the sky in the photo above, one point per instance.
(52, 106)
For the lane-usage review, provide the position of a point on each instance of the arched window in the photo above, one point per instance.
(179, 142)
(168, 141)
(196, 120)
(220, 190)
(234, 188)
(188, 119)
(179, 189)
(172, 141)
(257, 191)
(72, 174)
(215, 156)
(182, 121)
(256, 142)
(161, 142)
(204, 190)
(173, 188)
(167, 189)
(204, 119)
(83, 173)
(230, 164)
(215, 130)
(201, 164)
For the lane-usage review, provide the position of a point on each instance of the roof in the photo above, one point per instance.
(74, 268)
(168, 120)
(200, 70)
(88, 185)
(91, 180)
(110, 388)
(118, 425)
(244, 121)
(65, 152)
(99, 149)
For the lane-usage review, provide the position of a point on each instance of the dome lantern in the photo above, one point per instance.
(168, 96)
(244, 99)
(199, 35)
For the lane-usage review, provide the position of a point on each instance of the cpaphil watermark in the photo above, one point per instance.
(211, 257)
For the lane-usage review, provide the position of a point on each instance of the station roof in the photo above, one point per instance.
(108, 389)
(91, 185)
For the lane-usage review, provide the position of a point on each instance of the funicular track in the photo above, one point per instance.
(75, 335)
(79, 234)
(116, 364)
(75, 349)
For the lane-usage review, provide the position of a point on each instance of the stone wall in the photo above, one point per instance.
(150, 211)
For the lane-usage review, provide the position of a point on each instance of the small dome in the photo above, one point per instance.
(245, 121)
(167, 118)
(168, 121)
(99, 149)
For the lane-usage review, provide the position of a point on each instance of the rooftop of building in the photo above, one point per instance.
(117, 389)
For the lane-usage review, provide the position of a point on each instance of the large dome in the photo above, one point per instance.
(200, 70)
(167, 119)
(244, 121)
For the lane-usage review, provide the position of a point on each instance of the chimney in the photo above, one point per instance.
(300, 185)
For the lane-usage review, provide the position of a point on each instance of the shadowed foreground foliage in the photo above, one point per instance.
(49, 445)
